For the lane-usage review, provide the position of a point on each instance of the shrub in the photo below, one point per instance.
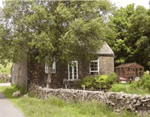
(111, 78)
(100, 81)
(88, 81)
(77, 83)
(144, 82)
(93, 81)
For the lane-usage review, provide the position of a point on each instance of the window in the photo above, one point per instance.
(94, 67)
(53, 70)
(73, 70)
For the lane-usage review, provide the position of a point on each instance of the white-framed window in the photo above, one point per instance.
(53, 68)
(73, 70)
(94, 67)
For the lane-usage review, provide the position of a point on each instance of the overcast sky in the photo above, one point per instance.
(123, 3)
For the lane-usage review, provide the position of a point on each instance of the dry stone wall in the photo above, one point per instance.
(120, 100)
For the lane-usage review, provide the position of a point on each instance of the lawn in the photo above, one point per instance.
(128, 88)
(54, 107)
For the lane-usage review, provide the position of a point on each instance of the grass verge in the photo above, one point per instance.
(54, 107)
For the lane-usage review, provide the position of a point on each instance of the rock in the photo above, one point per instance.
(16, 94)
(137, 104)
(118, 110)
(25, 96)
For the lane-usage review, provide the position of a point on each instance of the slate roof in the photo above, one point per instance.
(105, 50)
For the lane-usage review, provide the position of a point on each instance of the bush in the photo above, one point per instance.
(144, 82)
(88, 82)
(100, 81)
(111, 78)
(93, 82)
(77, 84)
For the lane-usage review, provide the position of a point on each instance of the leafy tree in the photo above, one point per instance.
(131, 27)
(64, 29)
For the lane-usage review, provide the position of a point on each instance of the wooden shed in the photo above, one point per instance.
(129, 70)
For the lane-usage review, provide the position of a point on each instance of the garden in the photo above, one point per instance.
(108, 83)
(100, 82)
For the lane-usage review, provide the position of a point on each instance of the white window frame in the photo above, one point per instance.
(90, 66)
(53, 66)
(73, 71)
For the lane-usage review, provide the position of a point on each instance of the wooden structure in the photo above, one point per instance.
(129, 71)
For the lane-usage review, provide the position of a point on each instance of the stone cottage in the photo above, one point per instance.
(32, 73)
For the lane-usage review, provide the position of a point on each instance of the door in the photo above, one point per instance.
(73, 70)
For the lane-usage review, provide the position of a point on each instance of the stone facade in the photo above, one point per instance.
(39, 77)
(106, 64)
(33, 73)
(130, 102)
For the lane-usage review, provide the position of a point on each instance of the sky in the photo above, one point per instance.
(123, 3)
(0, 3)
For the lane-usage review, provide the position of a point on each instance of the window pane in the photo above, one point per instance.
(94, 66)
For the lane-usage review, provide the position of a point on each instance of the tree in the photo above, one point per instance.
(64, 29)
(131, 27)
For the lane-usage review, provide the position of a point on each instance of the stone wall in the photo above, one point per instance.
(120, 100)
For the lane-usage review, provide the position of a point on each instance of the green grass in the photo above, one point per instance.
(120, 87)
(54, 107)
(127, 88)
(5, 69)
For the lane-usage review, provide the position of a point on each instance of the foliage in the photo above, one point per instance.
(111, 78)
(5, 69)
(94, 82)
(65, 29)
(88, 81)
(129, 88)
(144, 82)
(54, 107)
(100, 81)
(132, 42)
